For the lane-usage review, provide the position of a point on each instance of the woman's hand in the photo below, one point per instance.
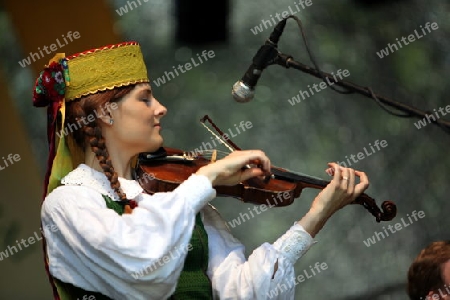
(230, 170)
(342, 190)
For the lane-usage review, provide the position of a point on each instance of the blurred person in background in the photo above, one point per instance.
(429, 274)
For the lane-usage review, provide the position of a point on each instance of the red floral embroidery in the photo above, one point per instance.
(50, 86)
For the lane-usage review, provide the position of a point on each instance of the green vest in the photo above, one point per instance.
(193, 282)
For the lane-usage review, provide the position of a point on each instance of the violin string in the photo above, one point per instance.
(209, 153)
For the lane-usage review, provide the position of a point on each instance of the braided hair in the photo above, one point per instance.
(89, 132)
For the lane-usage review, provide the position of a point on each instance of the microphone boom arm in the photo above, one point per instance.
(287, 61)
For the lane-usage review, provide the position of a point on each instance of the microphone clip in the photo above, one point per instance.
(267, 55)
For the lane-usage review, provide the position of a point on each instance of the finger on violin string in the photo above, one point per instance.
(363, 182)
(259, 159)
(345, 172)
(255, 176)
(344, 179)
(332, 168)
(264, 166)
(266, 175)
(329, 171)
(351, 181)
(335, 171)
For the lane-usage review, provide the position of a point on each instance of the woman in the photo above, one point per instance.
(107, 239)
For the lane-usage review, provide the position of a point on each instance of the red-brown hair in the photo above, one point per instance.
(425, 273)
(90, 133)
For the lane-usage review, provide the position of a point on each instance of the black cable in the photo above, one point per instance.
(384, 106)
(287, 62)
(299, 23)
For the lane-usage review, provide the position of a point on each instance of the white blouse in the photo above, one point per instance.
(140, 255)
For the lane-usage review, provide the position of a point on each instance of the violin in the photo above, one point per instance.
(165, 169)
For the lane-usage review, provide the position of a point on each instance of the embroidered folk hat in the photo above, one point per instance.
(67, 79)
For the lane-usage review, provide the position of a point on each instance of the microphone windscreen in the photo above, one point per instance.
(241, 92)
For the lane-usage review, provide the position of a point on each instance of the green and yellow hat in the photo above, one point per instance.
(67, 79)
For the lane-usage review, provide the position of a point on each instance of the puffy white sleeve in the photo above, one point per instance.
(133, 256)
(235, 277)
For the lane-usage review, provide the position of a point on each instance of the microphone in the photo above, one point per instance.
(244, 89)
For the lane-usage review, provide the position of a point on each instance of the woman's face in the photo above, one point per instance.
(136, 121)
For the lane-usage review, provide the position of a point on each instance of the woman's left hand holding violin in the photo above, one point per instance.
(342, 190)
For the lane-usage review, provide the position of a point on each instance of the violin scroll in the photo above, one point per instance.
(387, 212)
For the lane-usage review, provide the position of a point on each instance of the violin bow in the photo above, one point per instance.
(388, 209)
(229, 143)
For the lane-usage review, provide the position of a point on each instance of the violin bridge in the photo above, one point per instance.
(214, 156)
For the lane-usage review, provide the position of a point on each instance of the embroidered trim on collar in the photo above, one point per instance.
(86, 176)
